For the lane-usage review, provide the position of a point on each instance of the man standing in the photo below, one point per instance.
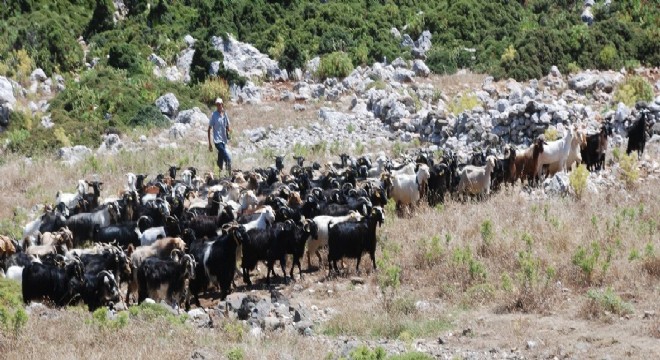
(219, 123)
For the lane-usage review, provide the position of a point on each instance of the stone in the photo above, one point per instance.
(404, 75)
(111, 143)
(272, 323)
(424, 41)
(249, 94)
(277, 75)
(193, 116)
(531, 344)
(38, 75)
(302, 326)
(168, 105)
(331, 116)
(313, 65)
(72, 155)
(235, 300)
(399, 63)
(157, 61)
(622, 112)
(407, 41)
(183, 62)
(554, 71)
(420, 68)
(557, 185)
(244, 58)
(6, 93)
(299, 107)
(395, 32)
(189, 40)
(297, 75)
(177, 131)
(46, 122)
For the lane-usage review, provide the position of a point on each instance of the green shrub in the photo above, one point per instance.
(102, 18)
(204, 55)
(212, 89)
(127, 57)
(337, 64)
(551, 134)
(608, 57)
(362, 352)
(17, 139)
(578, 180)
(100, 319)
(235, 354)
(149, 116)
(463, 103)
(634, 89)
(587, 259)
(628, 171)
(607, 300)
(12, 315)
(293, 56)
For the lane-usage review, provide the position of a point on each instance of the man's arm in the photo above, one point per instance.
(209, 136)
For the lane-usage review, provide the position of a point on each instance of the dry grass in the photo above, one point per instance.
(452, 85)
(71, 335)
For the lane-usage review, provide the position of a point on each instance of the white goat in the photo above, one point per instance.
(186, 177)
(130, 181)
(71, 199)
(322, 221)
(15, 273)
(476, 179)
(406, 189)
(574, 155)
(557, 151)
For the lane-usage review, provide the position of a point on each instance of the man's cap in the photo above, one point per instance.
(218, 101)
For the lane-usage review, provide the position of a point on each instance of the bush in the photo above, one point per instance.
(362, 352)
(628, 171)
(551, 134)
(337, 64)
(634, 89)
(463, 103)
(578, 180)
(149, 116)
(212, 89)
(602, 301)
(127, 57)
(292, 56)
(235, 354)
(204, 55)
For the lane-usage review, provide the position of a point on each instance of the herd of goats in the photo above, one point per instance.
(174, 238)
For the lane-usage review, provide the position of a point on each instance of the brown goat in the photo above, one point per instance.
(162, 249)
(526, 163)
(7, 247)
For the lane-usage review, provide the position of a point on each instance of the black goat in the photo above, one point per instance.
(637, 135)
(59, 285)
(352, 239)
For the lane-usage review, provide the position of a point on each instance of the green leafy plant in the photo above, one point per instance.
(463, 103)
(336, 64)
(607, 300)
(628, 171)
(578, 180)
(551, 134)
(634, 89)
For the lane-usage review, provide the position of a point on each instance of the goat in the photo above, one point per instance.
(475, 180)
(557, 151)
(170, 276)
(219, 257)
(637, 134)
(59, 285)
(82, 225)
(352, 239)
(526, 162)
(321, 240)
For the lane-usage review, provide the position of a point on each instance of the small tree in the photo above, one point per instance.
(102, 18)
